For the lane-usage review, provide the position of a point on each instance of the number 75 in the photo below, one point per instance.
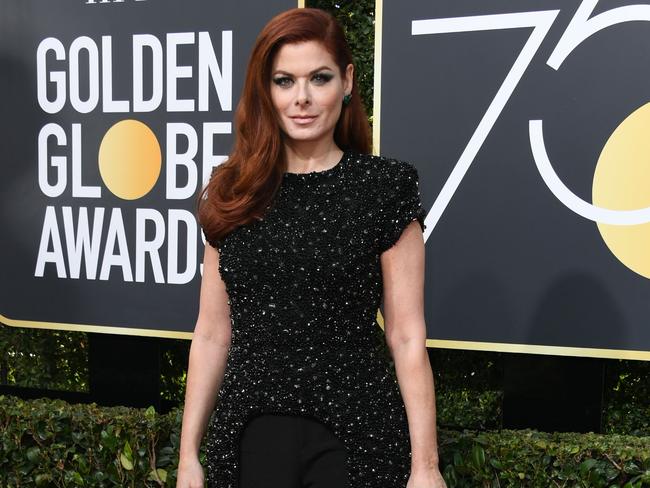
(579, 29)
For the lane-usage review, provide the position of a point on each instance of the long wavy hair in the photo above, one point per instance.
(241, 188)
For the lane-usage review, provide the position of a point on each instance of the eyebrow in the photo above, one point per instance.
(311, 72)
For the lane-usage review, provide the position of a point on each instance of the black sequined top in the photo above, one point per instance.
(304, 286)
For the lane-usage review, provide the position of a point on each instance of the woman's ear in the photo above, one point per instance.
(349, 78)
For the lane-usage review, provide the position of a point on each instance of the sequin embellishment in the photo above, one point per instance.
(304, 285)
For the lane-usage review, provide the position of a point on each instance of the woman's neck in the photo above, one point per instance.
(310, 157)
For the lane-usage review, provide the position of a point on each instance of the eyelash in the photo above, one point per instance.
(324, 76)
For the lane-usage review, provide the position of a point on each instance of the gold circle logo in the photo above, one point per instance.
(622, 182)
(130, 159)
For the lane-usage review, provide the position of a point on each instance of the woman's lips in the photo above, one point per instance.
(303, 120)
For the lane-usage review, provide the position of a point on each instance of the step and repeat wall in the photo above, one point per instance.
(113, 115)
(529, 123)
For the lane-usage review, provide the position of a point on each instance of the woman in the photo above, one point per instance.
(305, 231)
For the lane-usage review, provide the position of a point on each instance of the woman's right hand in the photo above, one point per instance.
(190, 473)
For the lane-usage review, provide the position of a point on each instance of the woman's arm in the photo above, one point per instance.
(405, 329)
(208, 355)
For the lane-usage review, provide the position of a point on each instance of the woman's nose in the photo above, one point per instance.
(303, 96)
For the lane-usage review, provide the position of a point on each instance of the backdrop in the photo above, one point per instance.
(529, 125)
(113, 114)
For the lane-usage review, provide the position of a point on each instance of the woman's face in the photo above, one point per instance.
(307, 91)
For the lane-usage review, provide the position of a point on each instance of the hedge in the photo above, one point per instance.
(52, 443)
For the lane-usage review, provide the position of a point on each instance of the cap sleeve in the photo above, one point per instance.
(401, 204)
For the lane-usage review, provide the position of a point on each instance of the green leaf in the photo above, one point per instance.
(78, 480)
(33, 454)
(43, 479)
(150, 413)
(478, 456)
(128, 451)
(631, 468)
(496, 463)
(458, 459)
(586, 466)
(98, 476)
(126, 462)
(159, 475)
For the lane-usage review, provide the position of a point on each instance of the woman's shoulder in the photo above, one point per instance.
(382, 168)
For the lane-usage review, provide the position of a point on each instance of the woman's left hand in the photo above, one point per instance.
(429, 478)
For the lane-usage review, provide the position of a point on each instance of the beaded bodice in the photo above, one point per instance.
(304, 285)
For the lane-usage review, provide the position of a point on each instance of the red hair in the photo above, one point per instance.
(243, 186)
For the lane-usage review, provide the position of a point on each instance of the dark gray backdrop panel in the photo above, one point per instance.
(23, 24)
(508, 262)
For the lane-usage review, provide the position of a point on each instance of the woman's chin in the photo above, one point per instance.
(304, 136)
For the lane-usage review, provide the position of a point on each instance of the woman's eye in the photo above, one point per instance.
(322, 78)
(282, 81)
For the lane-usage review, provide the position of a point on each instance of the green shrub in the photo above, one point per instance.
(41, 358)
(532, 459)
(55, 444)
(469, 409)
(627, 418)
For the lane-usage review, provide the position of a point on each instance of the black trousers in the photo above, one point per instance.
(285, 451)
